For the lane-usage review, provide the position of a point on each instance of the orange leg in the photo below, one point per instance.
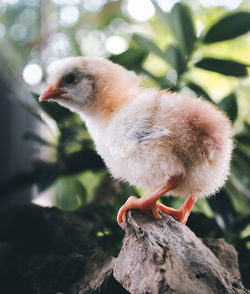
(148, 202)
(183, 213)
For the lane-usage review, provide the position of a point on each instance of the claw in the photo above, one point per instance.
(129, 204)
(155, 212)
(149, 202)
(183, 213)
(135, 203)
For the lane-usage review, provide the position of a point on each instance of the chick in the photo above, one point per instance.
(162, 141)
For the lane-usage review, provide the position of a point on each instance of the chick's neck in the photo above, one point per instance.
(110, 98)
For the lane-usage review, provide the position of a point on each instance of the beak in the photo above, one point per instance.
(51, 93)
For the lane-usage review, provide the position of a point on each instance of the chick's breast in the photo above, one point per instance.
(156, 136)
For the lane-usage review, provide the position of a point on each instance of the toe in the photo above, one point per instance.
(130, 204)
(155, 212)
(121, 216)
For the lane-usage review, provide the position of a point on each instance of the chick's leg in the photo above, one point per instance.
(148, 202)
(183, 213)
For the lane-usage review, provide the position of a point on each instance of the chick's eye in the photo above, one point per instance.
(69, 79)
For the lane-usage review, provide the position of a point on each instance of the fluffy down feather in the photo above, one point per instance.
(154, 137)
(146, 136)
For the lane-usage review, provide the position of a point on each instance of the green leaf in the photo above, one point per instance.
(162, 81)
(199, 91)
(243, 139)
(181, 23)
(239, 200)
(163, 16)
(70, 193)
(229, 105)
(203, 226)
(223, 66)
(149, 46)
(240, 180)
(131, 59)
(175, 58)
(242, 159)
(36, 138)
(240, 171)
(47, 172)
(223, 210)
(229, 27)
(244, 136)
(53, 109)
(242, 223)
(80, 161)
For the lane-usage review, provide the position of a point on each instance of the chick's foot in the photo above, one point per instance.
(181, 214)
(148, 202)
(136, 203)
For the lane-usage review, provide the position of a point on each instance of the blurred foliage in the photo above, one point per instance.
(173, 55)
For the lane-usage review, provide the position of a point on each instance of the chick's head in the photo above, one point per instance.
(85, 84)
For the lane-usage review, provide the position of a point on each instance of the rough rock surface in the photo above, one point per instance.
(165, 256)
(97, 271)
(226, 254)
(49, 251)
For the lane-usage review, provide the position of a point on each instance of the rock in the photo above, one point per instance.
(226, 254)
(164, 256)
(49, 251)
(96, 274)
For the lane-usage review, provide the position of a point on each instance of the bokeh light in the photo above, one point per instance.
(140, 10)
(66, 2)
(18, 32)
(32, 74)
(58, 46)
(28, 16)
(116, 45)
(52, 65)
(69, 15)
(228, 4)
(167, 5)
(119, 26)
(94, 44)
(93, 5)
(10, 2)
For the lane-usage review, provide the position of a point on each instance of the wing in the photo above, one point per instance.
(145, 130)
(129, 136)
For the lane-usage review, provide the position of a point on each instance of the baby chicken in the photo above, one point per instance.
(162, 141)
